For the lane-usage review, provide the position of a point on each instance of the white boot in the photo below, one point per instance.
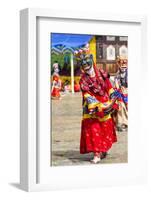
(96, 160)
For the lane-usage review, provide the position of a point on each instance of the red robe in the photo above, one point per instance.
(56, 86)
(97, 129)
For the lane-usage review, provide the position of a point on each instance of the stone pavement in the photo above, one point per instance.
(65, 135)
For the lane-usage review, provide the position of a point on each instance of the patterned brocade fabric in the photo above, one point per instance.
(91, 106)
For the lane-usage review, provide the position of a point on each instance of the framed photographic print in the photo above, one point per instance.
(81, 107)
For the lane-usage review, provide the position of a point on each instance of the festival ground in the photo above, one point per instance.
(65, 135)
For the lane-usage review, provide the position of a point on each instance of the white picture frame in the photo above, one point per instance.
(29, 149)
